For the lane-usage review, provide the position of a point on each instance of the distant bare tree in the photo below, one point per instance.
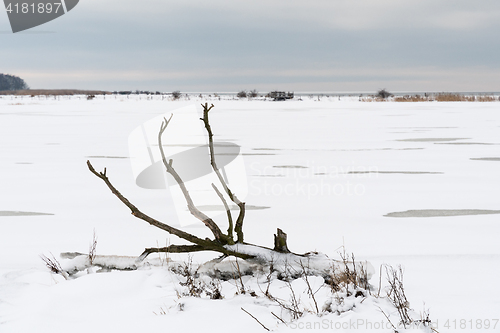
(254, 93)
(383, 94)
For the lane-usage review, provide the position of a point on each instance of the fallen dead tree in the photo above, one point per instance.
(229, 243)
(222, 242)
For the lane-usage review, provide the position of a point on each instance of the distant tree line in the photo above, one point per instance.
(250, 94)
(137, 92)
(11, 82)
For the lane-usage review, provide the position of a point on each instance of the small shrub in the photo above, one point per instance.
(241, 94)
(396, 294)
(176, 94)
(196, 287)
(253, 94)
(213, 289)
(193, 285)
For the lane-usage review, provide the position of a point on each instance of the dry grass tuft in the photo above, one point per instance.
(348, 274)
(448, 97)
(92, 248)
(54, 266)
(441, 97)
(413, 98)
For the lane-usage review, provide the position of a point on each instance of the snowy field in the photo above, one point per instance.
(415, 184)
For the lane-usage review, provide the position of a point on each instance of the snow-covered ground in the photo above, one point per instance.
(329, 171)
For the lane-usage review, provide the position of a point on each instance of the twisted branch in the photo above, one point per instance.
(207, 244)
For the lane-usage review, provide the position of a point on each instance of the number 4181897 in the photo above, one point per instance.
(471, 324)
(40, 8)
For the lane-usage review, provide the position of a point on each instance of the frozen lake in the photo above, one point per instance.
(409, 183)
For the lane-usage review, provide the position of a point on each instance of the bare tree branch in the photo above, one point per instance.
(238, 228)
(172, 249)
(137, 213)
(207, 244)
(228, 211)
(239, 221)
(219, 236)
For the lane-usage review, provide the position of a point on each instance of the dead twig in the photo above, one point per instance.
(390, 322)
(92, 248)
(309, 289)
(267, 329)
(242, 290)
(279, 318)
(228, 211)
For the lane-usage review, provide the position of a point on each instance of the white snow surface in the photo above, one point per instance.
(329, 170)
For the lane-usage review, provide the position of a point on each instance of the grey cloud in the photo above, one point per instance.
(311, 38)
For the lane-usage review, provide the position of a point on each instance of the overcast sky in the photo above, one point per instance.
(230, 45)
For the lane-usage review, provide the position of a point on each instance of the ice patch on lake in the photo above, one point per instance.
(493, 159)
(290, 166)
(432, 139)
(467, 143)
(398, 172)
(442, 212)
(107, 157)
(18, 213)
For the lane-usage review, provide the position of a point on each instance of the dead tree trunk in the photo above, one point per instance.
(221, 242)
(280, 242)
